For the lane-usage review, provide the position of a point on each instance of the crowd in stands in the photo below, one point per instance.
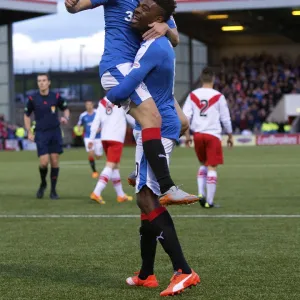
(9, 132)
(254, 85)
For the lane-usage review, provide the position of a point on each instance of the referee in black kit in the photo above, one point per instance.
(48, 135)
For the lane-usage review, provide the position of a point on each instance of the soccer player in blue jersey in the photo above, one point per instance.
(121, 46)
(86, 119)
(154, 67)
(48, 135)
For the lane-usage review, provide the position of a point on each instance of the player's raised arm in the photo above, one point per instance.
(147, 61)
(169, 29)
(75, 6)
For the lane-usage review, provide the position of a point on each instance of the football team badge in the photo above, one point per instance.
(53, 108)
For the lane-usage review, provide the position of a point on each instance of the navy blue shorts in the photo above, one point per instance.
(49, 141)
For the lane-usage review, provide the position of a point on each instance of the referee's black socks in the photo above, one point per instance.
(43, 174)
(54, 176)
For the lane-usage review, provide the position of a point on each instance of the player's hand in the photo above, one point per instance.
(99, 130)
(230, 142)
(63, 120)
(71, 3)
(188, 142)
(157, 30)
(90, 145)
(30, 136)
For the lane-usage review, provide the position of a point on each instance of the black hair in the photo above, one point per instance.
(44, 74)
(207, 75)
(168, 7)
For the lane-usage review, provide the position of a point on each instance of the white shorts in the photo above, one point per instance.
(97, 147)
(114, 76)
(143, 172)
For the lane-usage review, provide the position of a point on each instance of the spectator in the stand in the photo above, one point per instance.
(20, 135)
(254, 85)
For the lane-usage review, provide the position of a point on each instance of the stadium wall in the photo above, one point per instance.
(191, 58)
(216, 53)
(6, 77)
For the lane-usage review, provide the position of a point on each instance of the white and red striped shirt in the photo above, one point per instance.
(112, 121)
(206, 109)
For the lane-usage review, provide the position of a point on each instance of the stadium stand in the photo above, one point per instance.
(253, 85)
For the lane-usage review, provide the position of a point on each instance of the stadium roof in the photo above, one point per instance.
(17, 10)
(260, 25)
(217, 5)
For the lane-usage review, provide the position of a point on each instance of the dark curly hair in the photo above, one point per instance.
(168, 7)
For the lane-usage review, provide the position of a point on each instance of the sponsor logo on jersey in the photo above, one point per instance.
(109, 110)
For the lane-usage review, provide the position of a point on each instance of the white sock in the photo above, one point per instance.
(103, 180)
(201, 179)
(116, 180)
(211, 185)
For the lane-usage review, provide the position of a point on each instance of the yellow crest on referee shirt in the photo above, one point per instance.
(53, 109)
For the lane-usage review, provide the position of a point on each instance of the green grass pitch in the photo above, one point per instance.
(238, 257)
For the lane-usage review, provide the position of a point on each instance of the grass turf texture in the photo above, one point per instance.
(89, 258)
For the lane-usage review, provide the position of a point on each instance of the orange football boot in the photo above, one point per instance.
(180, 282)
(176, 196)
(150, 281)
(96, 198)
(95, 174)
(124, 198)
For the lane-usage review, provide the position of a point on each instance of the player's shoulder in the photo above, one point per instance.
(104, 102)
(162, 44)
(206, 92)
(54, 94)
(83, 114)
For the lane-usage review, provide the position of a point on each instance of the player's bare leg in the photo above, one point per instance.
(110, 172)
(211, 185)
(54, 162)
(117, 183)
(148, 116)
(91, 157)
(201, 180)
(43, 168)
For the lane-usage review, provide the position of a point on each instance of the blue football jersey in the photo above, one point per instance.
(86, 120)
(154, 68)
(121, 41)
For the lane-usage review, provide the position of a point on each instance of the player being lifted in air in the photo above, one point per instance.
(86, 120)
(121, 46)
(206, 109)
(112, 121)
(153, 66)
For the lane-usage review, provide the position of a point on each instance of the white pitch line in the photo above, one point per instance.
(137, 216)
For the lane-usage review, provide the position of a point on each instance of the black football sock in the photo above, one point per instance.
(166, 234)
(92, 164)
(43, 174)
(54, 176)
(156, 157)
(148, 245)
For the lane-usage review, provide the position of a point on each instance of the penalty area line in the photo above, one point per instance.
(56, 216)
